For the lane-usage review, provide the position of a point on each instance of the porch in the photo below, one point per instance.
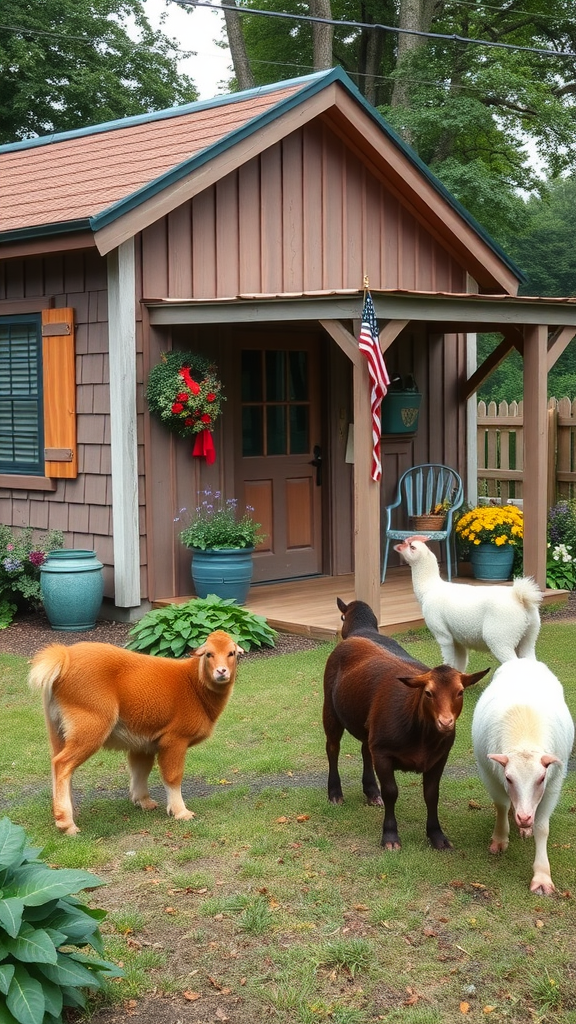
(307, 607)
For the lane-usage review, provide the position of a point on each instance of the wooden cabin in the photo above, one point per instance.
(242, 228)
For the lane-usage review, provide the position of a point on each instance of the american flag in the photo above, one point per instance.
(369, 344)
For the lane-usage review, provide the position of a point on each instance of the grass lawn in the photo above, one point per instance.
(272, 904)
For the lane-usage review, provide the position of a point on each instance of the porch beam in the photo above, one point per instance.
(390, 332)
(535, 451)
(366, 490)
(463, 313)
(346, 341)
(489, 365)
(558, 343)
(123, 442)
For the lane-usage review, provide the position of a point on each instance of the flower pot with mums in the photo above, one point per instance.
(493, 534)
(222, 540)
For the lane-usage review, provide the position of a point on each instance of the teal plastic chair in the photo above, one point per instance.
(420, 489)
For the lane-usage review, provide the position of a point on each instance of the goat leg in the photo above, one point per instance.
(389, 792)
(431, 790)
(369, 784)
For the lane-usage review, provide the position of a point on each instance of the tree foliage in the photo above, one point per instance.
(70, 63)
(475, 114)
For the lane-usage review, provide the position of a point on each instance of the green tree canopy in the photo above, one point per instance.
(66, 64)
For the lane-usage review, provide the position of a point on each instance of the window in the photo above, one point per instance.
(275, 403)
(21, 404)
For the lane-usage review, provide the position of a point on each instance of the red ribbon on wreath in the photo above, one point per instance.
(204, 447)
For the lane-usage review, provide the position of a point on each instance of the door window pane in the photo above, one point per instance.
(251, 376)
(298, 376)
(276, 430)
(299, 429)
(252, 433)
(275, 377)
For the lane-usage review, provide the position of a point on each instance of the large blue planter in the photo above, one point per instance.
(490, 562)
(226, 573)
(72, 586)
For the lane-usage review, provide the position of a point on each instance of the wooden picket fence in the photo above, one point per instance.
(501, 450)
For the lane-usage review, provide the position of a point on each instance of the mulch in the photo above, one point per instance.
(32, 631)
(29, 632)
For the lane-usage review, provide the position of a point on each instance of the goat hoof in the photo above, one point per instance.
(440, 842)
(542, 888)
(374, 801)
(336, 799)
(391, 842)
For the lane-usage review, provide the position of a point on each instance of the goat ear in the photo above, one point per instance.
(240, 650)
(199, 651)
(343, 607)
(416, 682)
(500, 758)
(547, 759)
(474, 677)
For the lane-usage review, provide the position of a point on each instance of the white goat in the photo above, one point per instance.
(522, 734)
(502, 620)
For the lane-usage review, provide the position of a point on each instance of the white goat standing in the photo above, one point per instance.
(522, 733)
(502, 620)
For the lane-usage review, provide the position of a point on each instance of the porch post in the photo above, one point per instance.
(123, 441)
(535, 449)
(366, 496)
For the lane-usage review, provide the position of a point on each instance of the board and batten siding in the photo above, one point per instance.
(307, 214)
(80, 507)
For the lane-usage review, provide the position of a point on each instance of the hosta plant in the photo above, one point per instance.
(178, 628)
(49, 940)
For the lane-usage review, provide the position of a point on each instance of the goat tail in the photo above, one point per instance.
(47, 666)
(527, 592)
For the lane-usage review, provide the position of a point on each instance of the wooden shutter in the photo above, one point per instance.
(59, 372)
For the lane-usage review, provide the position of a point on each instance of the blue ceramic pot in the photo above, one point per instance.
(72, 586)
(492, 563)
(226, 573)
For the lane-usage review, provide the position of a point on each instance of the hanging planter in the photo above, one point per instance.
(185, 394)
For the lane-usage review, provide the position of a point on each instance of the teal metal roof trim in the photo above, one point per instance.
(157, 115)
(64, 227)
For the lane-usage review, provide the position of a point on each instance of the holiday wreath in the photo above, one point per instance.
(186, 395)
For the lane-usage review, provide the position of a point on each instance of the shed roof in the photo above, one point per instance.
(91, 177)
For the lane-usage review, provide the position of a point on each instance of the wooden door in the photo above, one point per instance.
(278, 448)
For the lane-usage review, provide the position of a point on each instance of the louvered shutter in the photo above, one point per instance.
(59, 371)
(20, 395)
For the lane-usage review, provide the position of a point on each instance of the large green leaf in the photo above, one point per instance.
(35, 884)
(52, 997)
(11, 915)
(78, 928)
(25, 998)
(32, 945)
(68, 972)
(40, 913)
(5, 1016)
(105, 966)
(6, 975)
(12, 843)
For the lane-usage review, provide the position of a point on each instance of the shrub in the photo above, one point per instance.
(178, 628)
(21, 558)
(561, 562)
(43, 929)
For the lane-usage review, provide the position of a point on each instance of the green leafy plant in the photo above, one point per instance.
(178, 628)
(21, 557)
(43, 930)
(560, 568)
(215, 523)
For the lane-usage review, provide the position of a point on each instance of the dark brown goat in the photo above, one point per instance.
(404, 715)
(358, 619)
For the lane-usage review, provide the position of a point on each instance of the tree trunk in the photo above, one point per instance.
(237, 45)
(322, 35)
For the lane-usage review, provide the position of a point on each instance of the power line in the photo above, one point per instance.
(307, 18)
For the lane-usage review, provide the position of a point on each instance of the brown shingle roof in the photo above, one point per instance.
(78, 175)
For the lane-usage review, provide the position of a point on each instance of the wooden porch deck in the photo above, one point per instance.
(307, 607)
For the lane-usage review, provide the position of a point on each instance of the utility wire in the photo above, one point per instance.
(307, 18)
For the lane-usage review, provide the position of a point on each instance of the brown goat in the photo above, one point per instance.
(404, 715)
(98, 695)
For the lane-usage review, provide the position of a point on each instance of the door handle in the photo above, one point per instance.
(317, 462)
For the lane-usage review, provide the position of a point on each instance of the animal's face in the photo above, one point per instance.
(442, 694)
(411, 548)
(524, 777)
(219, 656)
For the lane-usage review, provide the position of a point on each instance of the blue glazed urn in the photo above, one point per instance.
(72, 586)
(226, 573)
(490, 562)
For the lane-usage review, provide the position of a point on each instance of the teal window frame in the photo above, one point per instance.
(21, 382)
